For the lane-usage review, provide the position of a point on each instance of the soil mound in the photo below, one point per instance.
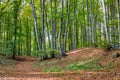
(106, 57)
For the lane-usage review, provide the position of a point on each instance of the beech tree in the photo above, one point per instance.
(36, 25)
(47, 27)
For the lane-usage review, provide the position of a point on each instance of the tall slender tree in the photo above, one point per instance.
(52, 29)
(67, 23)
(36, 25)
(105, 22)
(92, 22)
(118, 15)
(60, 30)
(17, 4)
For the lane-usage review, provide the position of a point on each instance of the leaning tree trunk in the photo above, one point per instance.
(35, 24)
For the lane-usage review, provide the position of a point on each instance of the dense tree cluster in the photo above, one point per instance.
(46, 27)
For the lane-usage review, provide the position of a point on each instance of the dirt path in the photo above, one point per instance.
(25, 71)
(25, 63)
(25, 66)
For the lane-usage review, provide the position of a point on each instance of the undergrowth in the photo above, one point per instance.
(85, 64)
(5, 62)
(53, 69)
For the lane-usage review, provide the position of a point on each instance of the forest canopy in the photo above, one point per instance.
(46, 27)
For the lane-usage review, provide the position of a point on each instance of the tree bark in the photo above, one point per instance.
(36, 25)
(43, 25)
(60, 31)
(113, 29)
(118, 15)
(92, 23)
(52, 31)
(16, 8)
(105, 22)
(67, 23)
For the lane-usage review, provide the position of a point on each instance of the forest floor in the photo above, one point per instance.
(79, 64)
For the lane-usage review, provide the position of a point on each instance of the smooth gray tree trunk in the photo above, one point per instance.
(60, 31)
(118, 15)
(67, 23)
(52, 30)
(48, 34)
(113, 28)
(92, 23)
(36, 25)
(43, 27)
(105, 21)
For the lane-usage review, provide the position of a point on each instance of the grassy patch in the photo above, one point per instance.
(44, 64)
(91, 64)
(87, 66)
(47, 66)
(63, 65)
(84, 64)
(53, 69)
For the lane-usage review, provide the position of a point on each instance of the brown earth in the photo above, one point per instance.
(24, 70)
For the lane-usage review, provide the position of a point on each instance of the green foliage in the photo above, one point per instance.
(1, 6)
(4, 61)
(53, 69)
(7, 47)
(79, 25)
(47, 53)
(113, 22)
(27, 1)
(36, 53)
(87, 66)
